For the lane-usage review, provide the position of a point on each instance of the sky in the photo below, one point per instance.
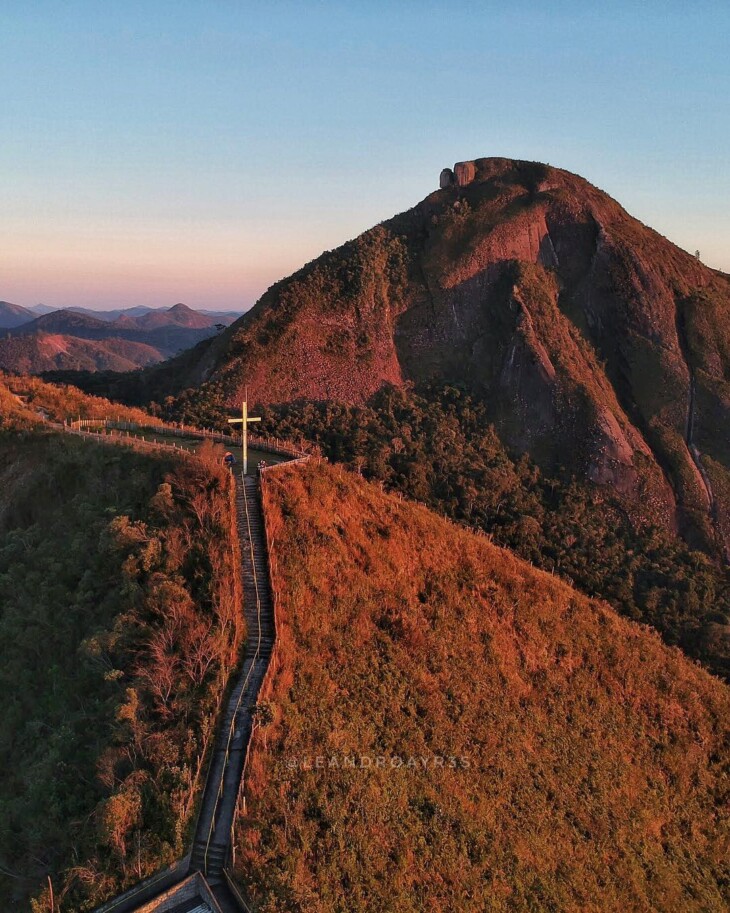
(154, 152)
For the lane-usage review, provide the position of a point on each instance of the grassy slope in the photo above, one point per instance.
(115, 591)
(59, 402)
(595, 753)
(438, 447)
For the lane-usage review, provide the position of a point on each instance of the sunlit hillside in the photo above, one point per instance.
(439, 447)
(27, 400)
(455, 730)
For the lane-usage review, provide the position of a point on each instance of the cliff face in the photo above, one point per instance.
(599, 345)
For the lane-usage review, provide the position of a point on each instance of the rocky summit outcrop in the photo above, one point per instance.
(600, 347)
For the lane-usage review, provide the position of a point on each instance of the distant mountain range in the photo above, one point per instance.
(13, 315)
(118, 340)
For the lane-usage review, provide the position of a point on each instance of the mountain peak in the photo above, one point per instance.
(586, 332)
(482, 170)
(13, 315)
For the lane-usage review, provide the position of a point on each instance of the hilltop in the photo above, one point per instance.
(180, 315)
(582, 761)
(13, 315)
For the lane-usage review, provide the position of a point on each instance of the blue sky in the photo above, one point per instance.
(199, 151)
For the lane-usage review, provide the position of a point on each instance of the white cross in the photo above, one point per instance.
(244, 422)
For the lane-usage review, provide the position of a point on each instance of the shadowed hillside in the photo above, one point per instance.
(119, 624)
(13, 315)
(455, 730)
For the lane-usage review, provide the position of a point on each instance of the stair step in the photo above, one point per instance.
(236, 722)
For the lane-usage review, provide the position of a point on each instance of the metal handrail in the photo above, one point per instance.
(146, 884)
(233, 888)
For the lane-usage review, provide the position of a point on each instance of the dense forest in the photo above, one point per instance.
(436, 445)
(119, 623)
(474, 735)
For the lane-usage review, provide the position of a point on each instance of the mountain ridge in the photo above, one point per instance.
(47, 351)
(13, 315)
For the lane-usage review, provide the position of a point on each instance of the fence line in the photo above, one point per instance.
(129, 441)
(268, 443)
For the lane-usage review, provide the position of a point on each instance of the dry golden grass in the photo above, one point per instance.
(591, 759)
(61, 402)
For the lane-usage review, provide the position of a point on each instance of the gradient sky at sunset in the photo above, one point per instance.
(156, 152)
